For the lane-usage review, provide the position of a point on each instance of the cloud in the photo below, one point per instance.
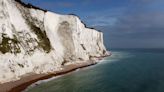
(104, 18)
(101, 21)
(125, 23)
(135, 30)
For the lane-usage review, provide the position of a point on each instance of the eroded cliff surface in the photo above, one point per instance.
(39, 41)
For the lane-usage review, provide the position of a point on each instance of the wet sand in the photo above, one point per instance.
(28, 79)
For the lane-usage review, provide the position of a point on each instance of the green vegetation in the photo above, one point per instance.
(42, 37)
(21, 65)
(9, 45)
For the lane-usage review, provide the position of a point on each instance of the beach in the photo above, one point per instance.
(28, 79)
(127, 70)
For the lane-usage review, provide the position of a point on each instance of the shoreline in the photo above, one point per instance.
(29, 79)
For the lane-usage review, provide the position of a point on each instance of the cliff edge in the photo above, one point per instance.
(39, 41)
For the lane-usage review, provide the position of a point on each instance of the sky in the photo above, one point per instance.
(125, 23)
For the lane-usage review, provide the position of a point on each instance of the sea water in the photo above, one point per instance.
(127, 70)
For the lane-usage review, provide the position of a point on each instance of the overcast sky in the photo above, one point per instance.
(125, 23)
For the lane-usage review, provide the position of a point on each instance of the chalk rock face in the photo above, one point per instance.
(39, 41)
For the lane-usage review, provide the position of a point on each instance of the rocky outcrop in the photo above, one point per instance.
(39, 41)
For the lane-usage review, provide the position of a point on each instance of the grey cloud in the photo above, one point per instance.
(137, 30)
(138, 24)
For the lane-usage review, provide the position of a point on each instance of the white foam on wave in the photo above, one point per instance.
(40, 82)
(116, 56)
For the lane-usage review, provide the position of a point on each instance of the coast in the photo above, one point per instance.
(28, 79)
(34, 41)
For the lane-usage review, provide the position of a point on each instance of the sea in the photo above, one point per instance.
(127, 70)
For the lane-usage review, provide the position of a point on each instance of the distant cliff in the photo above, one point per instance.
(39, 41)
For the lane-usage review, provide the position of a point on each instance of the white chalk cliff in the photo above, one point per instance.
(39, 41)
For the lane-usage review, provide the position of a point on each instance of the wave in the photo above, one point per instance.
(40, 82)
(117, 56)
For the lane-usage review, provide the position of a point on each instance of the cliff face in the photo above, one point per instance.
(34, 40)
